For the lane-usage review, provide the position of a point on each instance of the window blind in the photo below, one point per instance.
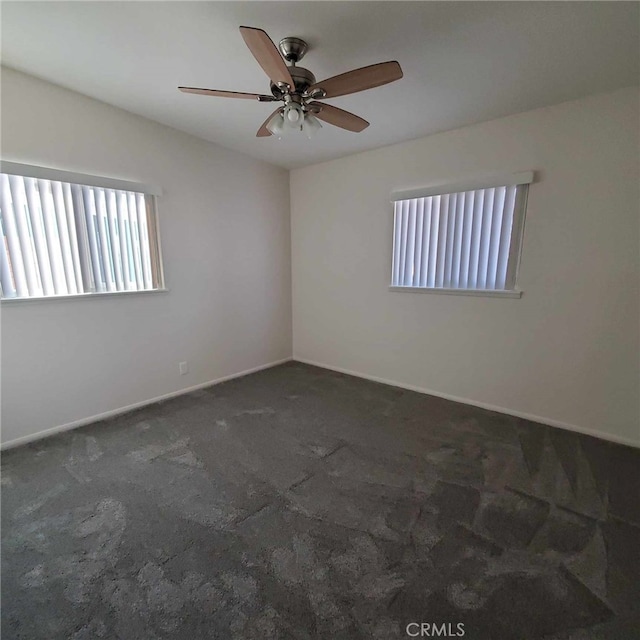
(60, 238)
(463, 240)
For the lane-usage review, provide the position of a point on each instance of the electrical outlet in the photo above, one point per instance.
(183, 367)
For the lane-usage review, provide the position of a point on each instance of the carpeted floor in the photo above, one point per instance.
(301, 503)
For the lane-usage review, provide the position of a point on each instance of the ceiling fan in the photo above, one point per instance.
(297, 88)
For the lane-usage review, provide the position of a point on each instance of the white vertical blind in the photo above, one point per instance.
(143, 231)
(426, 239)
(90, 214)
(112, 217)
(78, 220)
(494, 237)
(433, 242)
(25, 237)
(123, 222)
(133, 232)
(53, 235)
(73, 236)
(456, 257)
(65, 240)
(460, 240)
(465, 247)
(451, 235)
(418, 248)
(441, 246)
(104, 240)
(411, 240)
(40, 236)
(58, 238)
(11, 243)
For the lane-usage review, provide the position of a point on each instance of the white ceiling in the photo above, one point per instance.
(463, 62)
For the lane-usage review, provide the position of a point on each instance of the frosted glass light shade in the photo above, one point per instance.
(311, 126)
(276, 125)
(291, 119)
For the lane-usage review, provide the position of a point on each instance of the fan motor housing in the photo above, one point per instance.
(302, 78)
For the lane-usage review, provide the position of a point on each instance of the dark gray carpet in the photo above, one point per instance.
(301, 503)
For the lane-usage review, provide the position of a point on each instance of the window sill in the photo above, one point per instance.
(488, 293)
(82, 296)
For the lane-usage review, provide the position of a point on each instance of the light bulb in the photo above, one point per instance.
(293, 116)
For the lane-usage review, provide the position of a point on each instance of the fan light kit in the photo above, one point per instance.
(297, 88)
(293, 118)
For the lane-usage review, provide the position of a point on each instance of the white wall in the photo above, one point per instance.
(224, 224)
(567, 352)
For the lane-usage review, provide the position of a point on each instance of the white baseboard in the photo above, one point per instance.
(483, 405)
(115, 412)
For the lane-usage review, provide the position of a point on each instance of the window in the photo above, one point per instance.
(458, 238)
(75, 234)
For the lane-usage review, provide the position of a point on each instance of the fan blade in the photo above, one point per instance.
(263, 132)
(359, 79)
(267, 55)
(228, 94)
(339, 117)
